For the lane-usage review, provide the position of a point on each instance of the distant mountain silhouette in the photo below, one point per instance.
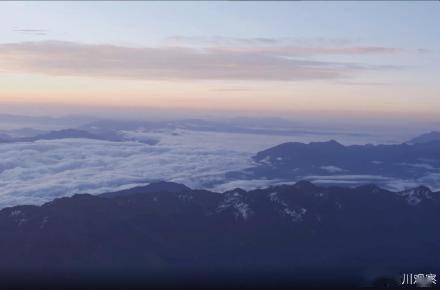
(167, 232)
(294, 160)
(5, 138)
(63, 134)
(262, 126)
(25, 132)
(77, 134)
(425, 138)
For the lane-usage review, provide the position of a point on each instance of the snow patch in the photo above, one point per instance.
(235, 201)
(416, 195)
(295, 215)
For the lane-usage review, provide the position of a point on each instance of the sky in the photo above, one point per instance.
(357, 59)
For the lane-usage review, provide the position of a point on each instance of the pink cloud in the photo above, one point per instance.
(178, 63)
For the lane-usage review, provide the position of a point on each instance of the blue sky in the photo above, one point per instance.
(384, 55)
(405, 23)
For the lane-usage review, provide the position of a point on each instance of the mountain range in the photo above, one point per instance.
(168, 233)
(334, 161)
(109, 135)
(425, 138)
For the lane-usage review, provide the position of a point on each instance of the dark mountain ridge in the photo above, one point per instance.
(292, 233)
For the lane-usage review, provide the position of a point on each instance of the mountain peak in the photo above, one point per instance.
(304, 184)
(426, 138)
(154, 187)
(371, 187)
(331, 142)
(167, 186)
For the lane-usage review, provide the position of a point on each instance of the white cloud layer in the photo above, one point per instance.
(34, 173)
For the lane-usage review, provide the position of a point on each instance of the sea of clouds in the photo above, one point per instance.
(37, 172)
(33, 173)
